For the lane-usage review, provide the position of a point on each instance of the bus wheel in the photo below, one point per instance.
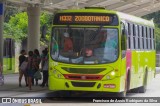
(122, 94)
(127, 86)
(144, 87)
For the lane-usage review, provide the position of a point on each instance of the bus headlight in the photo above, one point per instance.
(110, 75)
(57, 74)
(113, 73)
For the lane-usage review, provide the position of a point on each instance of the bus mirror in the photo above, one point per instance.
(123, 29)
(123, 45)
(123, 42)
(124, 32)
(44, 29)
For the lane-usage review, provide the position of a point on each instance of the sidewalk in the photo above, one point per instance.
(11, 88)
(157, 70)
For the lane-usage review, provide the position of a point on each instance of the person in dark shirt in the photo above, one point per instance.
(45, 68)
(22, 58)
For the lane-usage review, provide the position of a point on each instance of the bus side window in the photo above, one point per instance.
(150, 29)
(123, 39)
(146, 38)
(153, 44)
(143, 37)
(129, 37)
(134, 36)
(140, 37)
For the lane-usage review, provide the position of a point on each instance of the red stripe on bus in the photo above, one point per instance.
(128, 59)
(83, 77)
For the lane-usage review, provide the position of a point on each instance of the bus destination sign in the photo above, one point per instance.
(79, 19)
(64, 18)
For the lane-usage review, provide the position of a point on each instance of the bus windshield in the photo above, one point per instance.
(84, 45)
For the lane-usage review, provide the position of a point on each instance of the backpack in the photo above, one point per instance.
(24, 66)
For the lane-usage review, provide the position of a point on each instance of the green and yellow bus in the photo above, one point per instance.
(8, 55)
(8, 66)
(94, 49)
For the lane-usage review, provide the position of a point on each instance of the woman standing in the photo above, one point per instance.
(37, 61)
(30, 71)
(22, 58)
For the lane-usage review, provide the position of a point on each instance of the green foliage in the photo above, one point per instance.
(46, 20)
(20, 22)
(157, 34)
(156, 18)
(9, 12)
(17, 26)
(17, 33)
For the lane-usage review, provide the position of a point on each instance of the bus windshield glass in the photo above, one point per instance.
(84, 45)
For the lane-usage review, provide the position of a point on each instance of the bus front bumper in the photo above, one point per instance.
(114, 85)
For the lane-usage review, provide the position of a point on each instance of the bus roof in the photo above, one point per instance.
(122, 16)
(135, 19)
(87, 11)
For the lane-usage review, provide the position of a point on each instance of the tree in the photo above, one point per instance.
(157, 34)
(156, 20)
(18, 23)
(9, 12)
(155, 16)
(17, 33)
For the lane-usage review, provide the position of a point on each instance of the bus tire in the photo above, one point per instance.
(127, 86)
(143, 88)
(122, 94)
(128, 80)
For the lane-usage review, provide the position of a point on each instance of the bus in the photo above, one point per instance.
(8, 55)
(8, 66)
(99, 50)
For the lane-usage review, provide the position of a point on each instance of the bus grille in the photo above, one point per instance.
(83, 84)
(84, 70)
(83, 77)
